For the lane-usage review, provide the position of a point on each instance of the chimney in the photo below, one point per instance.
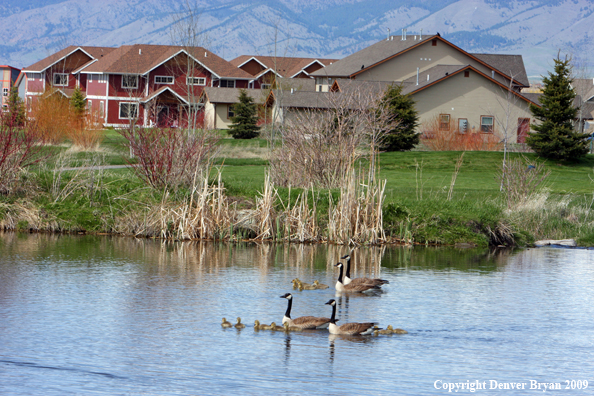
(405, 33)
(492, 73)
(427, 77)
(417, 76)
(415, 38)
(291, 91)
(421, 35)
(205, 54)
(388, 39)
(139, 51)
(392, 38)
(402, 37)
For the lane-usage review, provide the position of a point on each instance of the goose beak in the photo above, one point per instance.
(285, 295)
(337, 264)
(329, 302)
(344, 257)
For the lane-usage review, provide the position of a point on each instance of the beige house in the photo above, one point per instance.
(453, 89)
(218, 105)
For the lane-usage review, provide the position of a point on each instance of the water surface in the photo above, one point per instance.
(84, 315)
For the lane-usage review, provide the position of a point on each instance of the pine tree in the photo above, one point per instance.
(245, 118)
(402, 107)
(16, 108)
(555, 137)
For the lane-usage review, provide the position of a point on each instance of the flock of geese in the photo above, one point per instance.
(344, 284)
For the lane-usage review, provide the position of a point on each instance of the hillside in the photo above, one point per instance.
(536, 29)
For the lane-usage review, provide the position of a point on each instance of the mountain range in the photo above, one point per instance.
(537, 29)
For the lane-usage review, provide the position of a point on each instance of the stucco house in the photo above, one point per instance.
(461, 90)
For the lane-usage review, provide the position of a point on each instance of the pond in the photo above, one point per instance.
(100, 315)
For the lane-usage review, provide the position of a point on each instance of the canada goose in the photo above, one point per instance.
(303, 322)
(348, 328)
(319, 285)
(274, 327)
(289, 328)
(348, 280)
(352, 287)
(226, 324)
(239, 325)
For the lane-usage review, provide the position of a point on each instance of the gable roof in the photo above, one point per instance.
(92, 52)
(142, 58)
(285, 66)
(584, 87)
(386, 50)
(510, 65)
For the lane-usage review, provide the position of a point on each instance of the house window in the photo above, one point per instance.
(61, 79)
(102, 109)
(4, 91)
(128, 110)
(466, 73)
(433, 43)
(89, 106)
(230, 112)
(487, 124)
(462, 125)
(196, 81)
(444, 122)
(129, 81)
(163, 79)
(227, 83)
(265, 86)
(33, 76)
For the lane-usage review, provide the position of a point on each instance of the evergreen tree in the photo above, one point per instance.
(16, 108)
(245, 118)
(555, 137)
(78, 103)
(402, 107)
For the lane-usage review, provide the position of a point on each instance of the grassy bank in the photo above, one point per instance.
(422, 205)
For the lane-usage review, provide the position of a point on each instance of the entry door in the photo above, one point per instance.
(163, 116)
(523, 129)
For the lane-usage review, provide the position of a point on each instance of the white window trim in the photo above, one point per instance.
(164, 77)
(230, 111)
(120, 110)
(127, 76)
(33, 76)
(102, 109)
(491, 126)
(192, 81)
(4, 91)
(60, 74)
(89, 106)
(265, 86)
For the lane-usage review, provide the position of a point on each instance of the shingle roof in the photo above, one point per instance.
(434, 73)
(285, 66)
(584, 87)
(231, 95)
(510, 65)
(95, 52)
(348, 86)
(141, 58)
(369, 56)
(533, 97)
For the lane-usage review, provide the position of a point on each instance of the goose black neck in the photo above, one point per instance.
(333, 317)
(340, 274)
(288, 312)
(348, 268)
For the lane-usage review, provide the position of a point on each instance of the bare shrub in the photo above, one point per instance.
(19, 148)
(320, 145)
(522, 180)
(53, 115)
(169, 158)
(437, 137)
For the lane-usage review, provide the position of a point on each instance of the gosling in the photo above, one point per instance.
(226, 324)
(274, 327)
(239, 325)
(289, 328)
(319, 285)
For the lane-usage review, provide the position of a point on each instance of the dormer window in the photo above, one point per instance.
(196, 81)
(129, 81)
(60, 79)
(227, 83)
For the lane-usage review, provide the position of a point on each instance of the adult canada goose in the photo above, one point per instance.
(352, 287)
(319, 285)
(348, 280)
(303, 322)
(348, 328)
(239, 325)
(226, 324)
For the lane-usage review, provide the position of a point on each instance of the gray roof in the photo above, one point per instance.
(347, 85)
(584, 87)
(588, 111)
(231, 95)
(533, 97)
(298, 84)
(510, 65)
(369, 56)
